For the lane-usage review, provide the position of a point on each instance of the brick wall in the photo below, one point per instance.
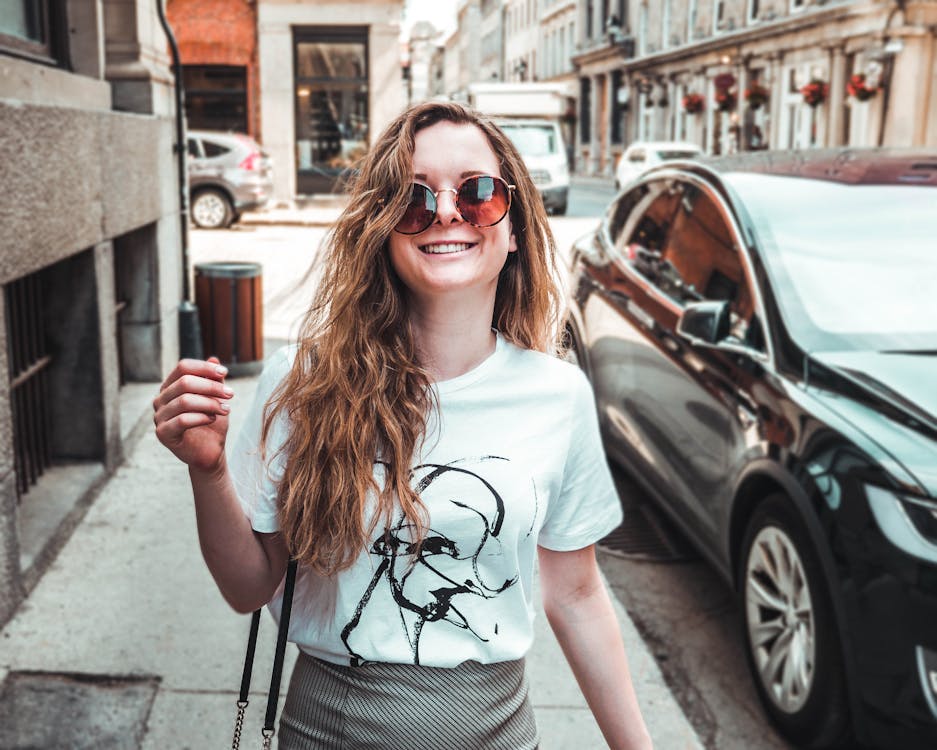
(220, 32)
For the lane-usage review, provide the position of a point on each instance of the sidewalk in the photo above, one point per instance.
(130, 596)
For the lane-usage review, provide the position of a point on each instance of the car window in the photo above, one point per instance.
(621, 209)
(701, 261)
(648, 234)
(677, 154)
(193, 148)
(214, 149)
(532, 140)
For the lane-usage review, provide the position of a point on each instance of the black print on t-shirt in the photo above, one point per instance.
(434, 584)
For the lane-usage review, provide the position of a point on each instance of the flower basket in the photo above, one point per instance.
(757, 95)
(858, 89)
(693, 103)
(725, 99)
(815, 92)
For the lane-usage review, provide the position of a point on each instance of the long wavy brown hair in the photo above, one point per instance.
(356, 393)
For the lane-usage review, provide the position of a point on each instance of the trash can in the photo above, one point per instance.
(230, 311)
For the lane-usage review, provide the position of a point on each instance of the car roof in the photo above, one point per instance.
(664, 144)
(850, 166)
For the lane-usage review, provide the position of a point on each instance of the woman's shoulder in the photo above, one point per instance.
(548, 368)
(277, 366)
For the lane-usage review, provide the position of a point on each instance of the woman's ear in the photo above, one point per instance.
(512, 243)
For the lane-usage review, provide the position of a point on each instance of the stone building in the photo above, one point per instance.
(90, 268)
(218, 45)
(823, 73)
(329, 83)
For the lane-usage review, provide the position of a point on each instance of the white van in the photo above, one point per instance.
(540, 142)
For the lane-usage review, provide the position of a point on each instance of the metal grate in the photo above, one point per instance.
(29, 361)
(645, 535)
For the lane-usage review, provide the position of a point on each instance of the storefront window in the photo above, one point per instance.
(331, 107)
(216, 97)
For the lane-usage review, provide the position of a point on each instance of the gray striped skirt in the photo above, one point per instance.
(380, 706)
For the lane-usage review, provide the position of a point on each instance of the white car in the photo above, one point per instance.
(641, 155)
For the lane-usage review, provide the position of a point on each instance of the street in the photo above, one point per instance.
(684, 612)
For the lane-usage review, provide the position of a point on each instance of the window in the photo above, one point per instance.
(585, 111)
(691, 21)
(215, 97)
(701, 261)
(665, 26)
(754, 6)
(213, 149)
(618, 112)
(621, 210)
(31, 29)
(719, 15)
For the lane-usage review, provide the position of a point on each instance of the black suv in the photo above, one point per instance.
(761, 335)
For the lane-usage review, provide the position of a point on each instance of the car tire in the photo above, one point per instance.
(560, 210)
(789, 626)
(211, 209)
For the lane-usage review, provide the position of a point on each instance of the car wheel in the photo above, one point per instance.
(560, 210)
(790, 632)
(211, 209)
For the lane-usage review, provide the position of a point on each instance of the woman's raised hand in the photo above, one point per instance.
(191, 412)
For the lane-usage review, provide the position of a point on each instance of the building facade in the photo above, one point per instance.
(218, 45)
(327, 87)
(90, 271)
(736, 75)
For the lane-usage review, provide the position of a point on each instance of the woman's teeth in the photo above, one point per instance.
(449, 247)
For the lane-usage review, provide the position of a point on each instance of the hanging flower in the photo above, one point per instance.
(724, 81)
(859, 89)
(725, 100)
(757, 95)
(815, 92)
(693, 103)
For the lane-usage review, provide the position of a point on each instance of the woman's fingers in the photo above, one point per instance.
(188, 382)
(191, 402)
(212, 370)
(172, 429)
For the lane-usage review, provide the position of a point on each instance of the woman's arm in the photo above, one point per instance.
(580, 612)
(247, 566)
(191, 418)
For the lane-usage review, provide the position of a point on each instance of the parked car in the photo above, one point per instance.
(540, 143)
(642, 155)
(228, 173)
(761, 335)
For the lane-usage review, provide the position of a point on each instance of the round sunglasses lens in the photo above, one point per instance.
(419, 213)
(483, 201)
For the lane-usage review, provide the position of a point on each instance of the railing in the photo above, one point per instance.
(29, 361)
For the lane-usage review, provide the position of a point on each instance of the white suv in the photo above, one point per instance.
(641, 155)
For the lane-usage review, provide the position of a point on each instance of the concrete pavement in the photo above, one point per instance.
(130, 596)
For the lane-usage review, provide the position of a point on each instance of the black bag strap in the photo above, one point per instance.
(273, 696)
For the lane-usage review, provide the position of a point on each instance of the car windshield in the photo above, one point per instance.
(853, 266)
(532, 140)
(676, 154)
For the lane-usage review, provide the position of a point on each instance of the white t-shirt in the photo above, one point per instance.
(513, 460)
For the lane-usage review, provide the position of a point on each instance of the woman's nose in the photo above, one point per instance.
(446, 209)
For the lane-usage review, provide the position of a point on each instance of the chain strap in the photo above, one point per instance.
(268, 730)
(239, 725)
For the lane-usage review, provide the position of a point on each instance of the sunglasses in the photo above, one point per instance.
(481, 200)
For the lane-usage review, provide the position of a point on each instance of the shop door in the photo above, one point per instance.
(331, 105)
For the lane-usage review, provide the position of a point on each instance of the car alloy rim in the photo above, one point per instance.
(209, 210)
(780, 617)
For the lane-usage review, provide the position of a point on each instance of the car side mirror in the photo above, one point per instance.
(704, 322)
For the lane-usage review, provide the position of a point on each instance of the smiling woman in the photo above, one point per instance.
(401, 453)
